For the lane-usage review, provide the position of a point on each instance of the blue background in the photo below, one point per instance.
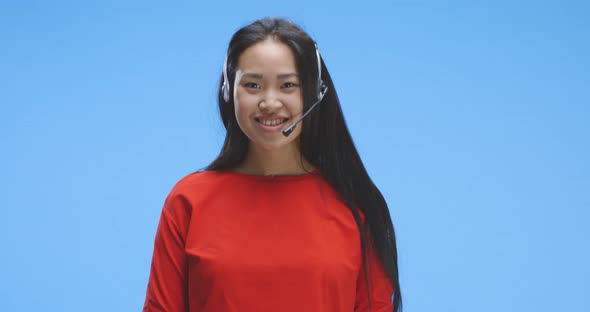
(471, 116)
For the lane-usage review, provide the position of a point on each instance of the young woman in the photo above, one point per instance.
(286, 218)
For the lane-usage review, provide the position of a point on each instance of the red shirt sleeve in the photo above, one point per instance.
(167, 284)
(381, 288)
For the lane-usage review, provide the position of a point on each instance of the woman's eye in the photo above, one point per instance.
(289, 85)
(252, 85)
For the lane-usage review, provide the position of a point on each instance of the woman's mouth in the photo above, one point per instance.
(271, 124)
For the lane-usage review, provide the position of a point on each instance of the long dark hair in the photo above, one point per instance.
(325, 142)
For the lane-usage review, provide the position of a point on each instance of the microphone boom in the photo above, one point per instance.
(290, 129)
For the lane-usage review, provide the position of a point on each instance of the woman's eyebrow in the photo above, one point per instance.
(259, 76)
(252, 75)
(283, 76)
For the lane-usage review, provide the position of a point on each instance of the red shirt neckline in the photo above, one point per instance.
(272, 178)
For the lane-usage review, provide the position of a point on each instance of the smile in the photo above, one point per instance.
(271, 122)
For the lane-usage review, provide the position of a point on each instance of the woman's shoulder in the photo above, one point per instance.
(196, 180)
(191, 191)
(204, 183)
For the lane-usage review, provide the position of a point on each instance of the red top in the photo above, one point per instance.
(228, 241)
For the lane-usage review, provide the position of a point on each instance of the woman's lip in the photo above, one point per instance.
(271, 128)
(273, 117)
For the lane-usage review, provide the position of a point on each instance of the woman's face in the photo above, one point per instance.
(267, 95)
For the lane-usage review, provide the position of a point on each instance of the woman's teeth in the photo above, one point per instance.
(271, 122)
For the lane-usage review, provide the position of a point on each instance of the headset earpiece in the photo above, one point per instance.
(225, 85)
(321, 88)
(225, 92)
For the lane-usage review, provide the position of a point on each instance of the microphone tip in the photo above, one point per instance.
(288, 131)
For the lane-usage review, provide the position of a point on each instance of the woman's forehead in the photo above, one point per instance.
(268, 56)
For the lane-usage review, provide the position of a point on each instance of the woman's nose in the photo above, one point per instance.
(270, 100)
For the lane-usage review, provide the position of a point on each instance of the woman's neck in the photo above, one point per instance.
(267, 162)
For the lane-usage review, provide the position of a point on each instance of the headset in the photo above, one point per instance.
(321, 89)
